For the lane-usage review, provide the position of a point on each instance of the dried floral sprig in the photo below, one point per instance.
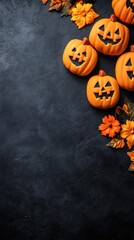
(124, 121)
(81, 11)
(57, 5)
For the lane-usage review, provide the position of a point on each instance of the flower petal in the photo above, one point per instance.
(131, 155)
(130, 141)
(87, 7)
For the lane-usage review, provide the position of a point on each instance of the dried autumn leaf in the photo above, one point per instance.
(131, 155)
(120, 114)
(129, 109)
(131, 167)
(116, 143)
(44, 1)
(57, 5)
(66, 9)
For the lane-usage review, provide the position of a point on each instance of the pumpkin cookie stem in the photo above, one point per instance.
(85, 41)
(113, 18)
(102, 73)
(132, 48)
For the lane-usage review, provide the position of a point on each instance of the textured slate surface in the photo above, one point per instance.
(58, 180)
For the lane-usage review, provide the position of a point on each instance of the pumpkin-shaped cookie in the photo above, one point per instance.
(102, 91)
(124, 70)
(124, 10)
(109, 36)
(80, 57)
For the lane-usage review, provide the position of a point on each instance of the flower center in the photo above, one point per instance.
(110, 125)
(84, 14)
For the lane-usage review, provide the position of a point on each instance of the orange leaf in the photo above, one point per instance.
(57, 4)
(131, 155)
(116, 143)
(44, 1)
(131, 167)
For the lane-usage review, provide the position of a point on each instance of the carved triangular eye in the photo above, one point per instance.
(129, 4)
(84, 53)
(74, 49)
(117, 31)
(97, 85)
(129, 62)
(108, 84)
(108, 34)
(102, 28)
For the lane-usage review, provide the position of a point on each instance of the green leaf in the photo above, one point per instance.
(66, 8)
(126, 112)
(130, 110)
(121, 115)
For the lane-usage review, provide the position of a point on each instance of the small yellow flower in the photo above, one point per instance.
(128, 133)
(83, 14)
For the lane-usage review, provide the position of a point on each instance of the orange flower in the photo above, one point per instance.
(131, 155)
(110, 126)
(128, 133)
(83, 14)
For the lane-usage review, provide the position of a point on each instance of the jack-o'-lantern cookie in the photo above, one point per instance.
(124, 70)
(80, 57)
(109, 36)
(124, 10)
(102, 91)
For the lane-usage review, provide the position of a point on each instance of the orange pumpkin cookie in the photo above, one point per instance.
(80, 57)
(124, 70)
(124, 10)
(109, 36)
(102, 91)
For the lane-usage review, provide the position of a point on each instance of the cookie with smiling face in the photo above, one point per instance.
(102, 91)
(124, 10)
(124, 70)
(79, 57)
(109, 36)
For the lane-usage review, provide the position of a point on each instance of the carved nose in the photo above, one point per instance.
(103, 89)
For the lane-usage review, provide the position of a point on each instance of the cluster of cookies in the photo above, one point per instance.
(109, 37)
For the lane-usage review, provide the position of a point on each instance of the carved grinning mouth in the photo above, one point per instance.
(130, 5)
(109, 41)
(104, 95)
(76, 61)
(131, 75)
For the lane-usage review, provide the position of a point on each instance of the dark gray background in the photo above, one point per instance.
(58, 180)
